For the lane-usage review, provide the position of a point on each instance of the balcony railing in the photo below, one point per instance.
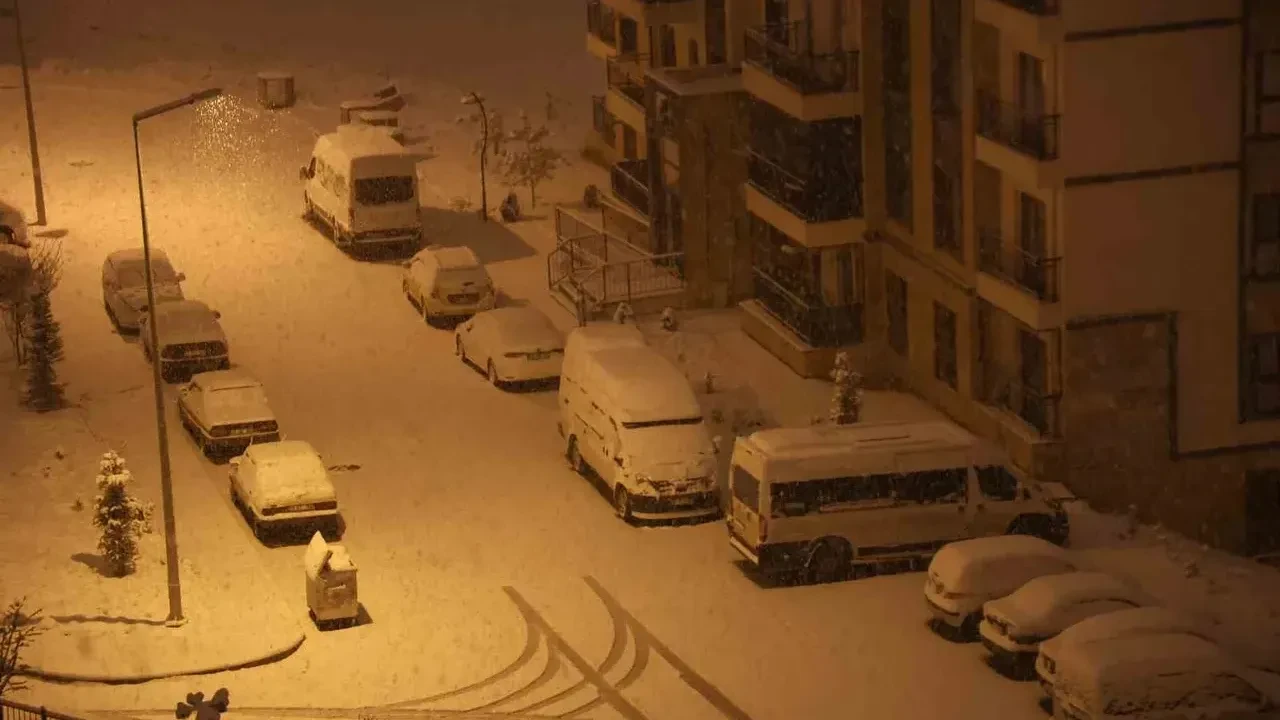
(1035, 7)
(620, 72)
(1002, 388)
(1030, 133)
(629, 181)
(601, 22)
(785, 51)
(1034, 274)
(811, 202)
(817, 324)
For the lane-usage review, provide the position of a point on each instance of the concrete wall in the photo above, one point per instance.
(1086, 15)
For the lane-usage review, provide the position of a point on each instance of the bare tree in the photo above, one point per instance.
(46, 272)
(529, 160)
(18, 630)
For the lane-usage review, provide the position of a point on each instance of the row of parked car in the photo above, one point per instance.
(1099, 645)
(274, 482)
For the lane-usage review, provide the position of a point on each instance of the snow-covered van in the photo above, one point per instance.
(630, 416)
(363, 186)
(284, 484)
(819, 499)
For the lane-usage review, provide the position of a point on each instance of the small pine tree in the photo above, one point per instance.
(118, 515)
(44, 343)
(846, 400)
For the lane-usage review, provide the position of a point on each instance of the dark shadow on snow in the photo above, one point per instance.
(107, 619)
(492, 241)
(93, 562)
(796, 578)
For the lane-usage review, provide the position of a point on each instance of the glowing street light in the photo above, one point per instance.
(166, 482)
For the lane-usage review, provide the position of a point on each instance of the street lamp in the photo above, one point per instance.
(475, 99)
(166, 483)
(36, 177)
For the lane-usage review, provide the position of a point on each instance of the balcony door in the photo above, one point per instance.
(1031, 374)
(666, 50)
(826, 26)
(717, 33)
(1030, 89)
(776, 17)
(1031, 243)
(628, 36)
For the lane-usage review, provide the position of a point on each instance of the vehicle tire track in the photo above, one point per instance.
(639, 661)
(549, 670)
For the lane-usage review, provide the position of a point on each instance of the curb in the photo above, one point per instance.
(59, 677)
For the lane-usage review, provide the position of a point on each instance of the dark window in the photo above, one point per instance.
(946, 211)
(896, 309)
(829, 495)
(1031, 225)
(717, 32)
(1264, 375)
(667, 46)
(384, 191)
(746, 488)
(628, 36)
(629, 142)
(997, 483)
(693, 52)
(897, 109)
(1262, 511)
(932, 486)
(1266, 235)
(944, 344)
(1266, 111)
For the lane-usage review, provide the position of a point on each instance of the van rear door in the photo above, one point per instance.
(384, 202)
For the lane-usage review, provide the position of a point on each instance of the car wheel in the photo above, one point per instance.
(829, 561)
(493, 376)
(622, 503)
(1031, 525)
(575, 457)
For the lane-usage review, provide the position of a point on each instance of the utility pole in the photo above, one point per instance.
(31, 114)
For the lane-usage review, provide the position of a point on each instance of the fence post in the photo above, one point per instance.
(628, 275)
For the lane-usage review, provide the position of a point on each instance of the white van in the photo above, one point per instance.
(819, 499)
(629, 415)
(363, 186)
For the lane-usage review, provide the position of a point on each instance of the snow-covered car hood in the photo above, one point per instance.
(234, 405)
(670, 452)
(299, 481)
(1047, 604)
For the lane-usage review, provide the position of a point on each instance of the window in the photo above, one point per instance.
(930, 487)
(1264, 375)
(746, 488)
(1031, 225)
(384, 190)
(693, 52)
(997, 483)
(1266, 236)
(1262, 511)
(946, 209)
(944, 344)
(717, 33)
(831, 494)
(896, 309)
(667, 46)
(897, 110)
(1266, 120)
(628, 36)
(629, 142)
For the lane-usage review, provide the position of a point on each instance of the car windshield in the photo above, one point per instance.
(185, 318)
(237, 400)
(134, 275)
(384, 190)
(460, 277)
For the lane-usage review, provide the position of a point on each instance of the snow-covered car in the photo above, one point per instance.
(448, 282)
(1013, 626)
(963, 576)
(1138, 621)
(190, 338)
(226, 410)
(1172, 676)
(284, 485)
(511, 344)
(124, 286)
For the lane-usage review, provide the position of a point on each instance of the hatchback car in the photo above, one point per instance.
(1013, 627)
(514, 344)
(226, 410)
(191, 340)
(124, 286)
(284, 485)
(448, 283)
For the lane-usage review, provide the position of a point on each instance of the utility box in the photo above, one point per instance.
(275, 90)
(331, 584)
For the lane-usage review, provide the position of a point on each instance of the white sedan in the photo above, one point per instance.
(511, 344)
(1013, 627)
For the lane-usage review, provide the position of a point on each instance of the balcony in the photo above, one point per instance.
(657, 12)
(784, 69)
(817, 325)
(625, 75)
(602, 30)
(814, 214)
(629, 181)
(1001, 388)
(1020, 283)
(1027, 22)
(1019, 143)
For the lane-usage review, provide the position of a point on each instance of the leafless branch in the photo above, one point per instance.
(18, 629)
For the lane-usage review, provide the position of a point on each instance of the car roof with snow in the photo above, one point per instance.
(602, 335)
(1143, 620)
(1156, 654)
(522, 325)
(1002, 547)
(459, 257)
(224, 380)
(129, 257)
(355, 141)
(643, 386)
(283, 452)
(839, 439)
(1063, 589)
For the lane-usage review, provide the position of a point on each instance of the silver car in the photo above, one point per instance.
(226, 411)
(124, 289)
(190, 338)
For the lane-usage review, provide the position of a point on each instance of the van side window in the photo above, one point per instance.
(997, 483)
(746, 488)
(811, 496)
(932, 486)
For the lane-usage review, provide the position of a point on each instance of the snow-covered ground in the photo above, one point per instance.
(458, 502)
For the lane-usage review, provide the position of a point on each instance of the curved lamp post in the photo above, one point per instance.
(166, 483)
(475, 99)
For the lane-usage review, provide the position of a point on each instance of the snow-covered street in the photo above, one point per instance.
(479, 548)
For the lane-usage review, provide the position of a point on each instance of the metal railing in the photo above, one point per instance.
(1043, 8)
(601, 22)
(1030, 133)
(1034, 274)
(1038, 408)
(580, 262)
(818, 325)
(621, 75)
(10, 710)
(811, 202)
(785, 51)
(629, 180)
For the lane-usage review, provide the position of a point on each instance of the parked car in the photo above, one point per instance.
(124, 286)
(1172, 676)
(226, 410)
(191, 340)
(965, 575)
(513, 344)
(284, 485)
(1138, 621)
(363, 186)
(1013, 627)
(448, 282)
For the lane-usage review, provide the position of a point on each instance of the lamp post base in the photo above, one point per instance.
(175, 623)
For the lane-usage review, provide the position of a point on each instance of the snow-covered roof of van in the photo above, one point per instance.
(895, 436)
(362, 141)
(643, 386)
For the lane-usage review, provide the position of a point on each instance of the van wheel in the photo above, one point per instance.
(828, 561)
(575, 457)
(1031, 525)
(622, 503)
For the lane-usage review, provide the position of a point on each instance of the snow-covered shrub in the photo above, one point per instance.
(119, 516)
(591, 197)
(709, 382)
(846, 400)
(460, 204)
(623, 314)
(669, 322)
(44, 351)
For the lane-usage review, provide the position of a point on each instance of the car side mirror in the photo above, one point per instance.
(182, 277)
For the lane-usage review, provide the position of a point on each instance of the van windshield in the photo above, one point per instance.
(384, 190)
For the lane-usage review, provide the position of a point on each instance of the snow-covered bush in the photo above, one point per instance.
(591, 197)
(669, 322)
(709, 382)
(119, 516)
(44, 351)
(846, 400)
(623, 314)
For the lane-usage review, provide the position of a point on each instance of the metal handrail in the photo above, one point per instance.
(1033, 273)
(631, 187)
(784, 50)
(1035, 134)
(819, 325)
(1037, 407)
(806, 200)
